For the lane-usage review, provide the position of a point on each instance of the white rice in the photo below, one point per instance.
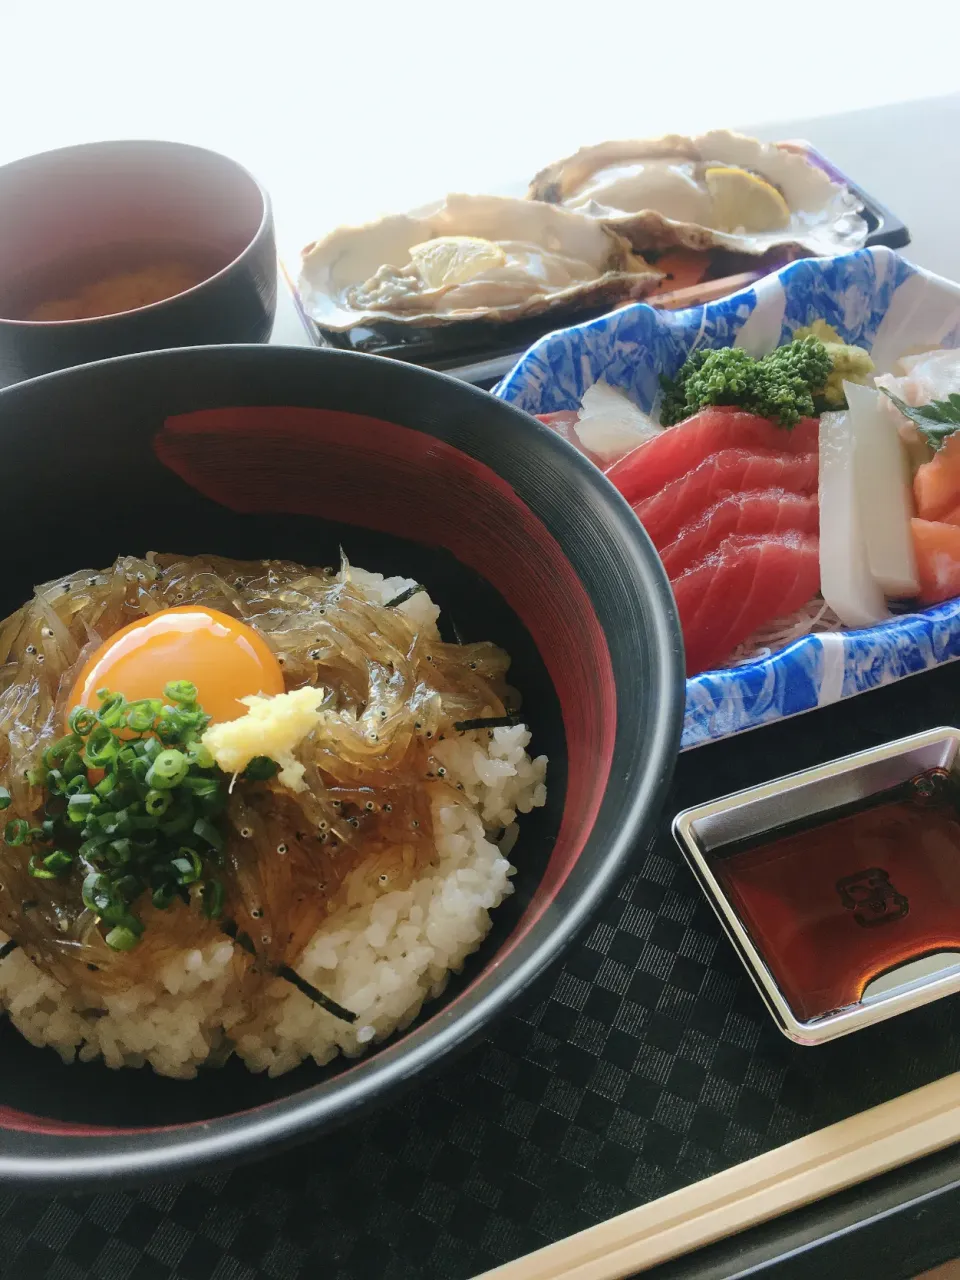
(381, 954)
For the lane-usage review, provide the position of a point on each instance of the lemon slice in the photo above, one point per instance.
(451, 260)
(743, 201)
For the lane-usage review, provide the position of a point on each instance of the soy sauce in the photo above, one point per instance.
(834, 901)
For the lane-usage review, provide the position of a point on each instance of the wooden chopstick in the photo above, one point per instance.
(755, 1191)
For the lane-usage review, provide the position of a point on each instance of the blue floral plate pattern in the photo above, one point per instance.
(874, 299)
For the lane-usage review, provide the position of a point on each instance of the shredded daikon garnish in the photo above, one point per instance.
(815, 616)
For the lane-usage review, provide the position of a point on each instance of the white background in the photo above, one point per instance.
(349, 110)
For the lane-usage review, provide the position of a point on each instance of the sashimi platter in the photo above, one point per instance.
(793, 452)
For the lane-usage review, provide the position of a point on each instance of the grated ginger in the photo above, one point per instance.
(272, 727)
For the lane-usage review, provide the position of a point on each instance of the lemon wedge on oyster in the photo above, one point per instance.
(743, 201)
(451, 260)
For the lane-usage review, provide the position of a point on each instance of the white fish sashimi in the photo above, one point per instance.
(846, 582)
(884, 499)
(929, 375)
(610, 425)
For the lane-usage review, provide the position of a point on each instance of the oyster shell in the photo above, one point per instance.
(686, 191)
(468, 258)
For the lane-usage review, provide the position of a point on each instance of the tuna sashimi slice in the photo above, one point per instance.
(729, 472)
(746, 582)
(679, 449)
(768, 511)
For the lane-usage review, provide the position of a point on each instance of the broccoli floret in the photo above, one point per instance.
(780, 386)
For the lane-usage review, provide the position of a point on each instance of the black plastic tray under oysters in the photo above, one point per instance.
(482, 353)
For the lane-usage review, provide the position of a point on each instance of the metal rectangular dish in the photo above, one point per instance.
(702, 833)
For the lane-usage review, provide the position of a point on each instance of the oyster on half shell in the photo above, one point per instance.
(719, 189)
(468, 258)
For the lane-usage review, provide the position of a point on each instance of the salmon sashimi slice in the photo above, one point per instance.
(645, 471)
(729, 472)
(765, 511)
(937, 548)
(747, 581)
(936, 486)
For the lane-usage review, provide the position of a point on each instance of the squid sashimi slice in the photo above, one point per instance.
(731, 471)
(884, 499)
(847, 584)
(748, 580)
(937, 548)
(680, 449)
(768, 511)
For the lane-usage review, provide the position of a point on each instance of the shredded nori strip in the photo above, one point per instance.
(311, 992)
(487, 722)
(7, 948)
(404, 596)
(244, 941)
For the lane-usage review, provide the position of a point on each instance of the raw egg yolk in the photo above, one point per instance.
(224, 658)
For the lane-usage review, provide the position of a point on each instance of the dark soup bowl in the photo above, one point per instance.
(265, 453)
(115, 247)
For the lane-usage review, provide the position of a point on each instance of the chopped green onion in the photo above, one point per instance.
(61, 748)
(124, 891)
(112, 710)
(106, 786)
(16, 831)
(82, 721)
(182, 691)
(101, 748)
(141, 715)
(57, 862)
(91, 848)
(212, 898)
(200, 755)
(81, 807)
(160, 786)
(120, 938)
(157, 802)
(73, 766)
(117, 852)
(95, 892)
(260, 769)
(168, 770)
(188, 866)
(56, 783)
(179, 816)
(208, 832)
(202, 787)
(4, 798)
(163, 896)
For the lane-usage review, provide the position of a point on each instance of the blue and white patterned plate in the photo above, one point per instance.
(873, 298)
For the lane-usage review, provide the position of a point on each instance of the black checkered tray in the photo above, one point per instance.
(643, 1062)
